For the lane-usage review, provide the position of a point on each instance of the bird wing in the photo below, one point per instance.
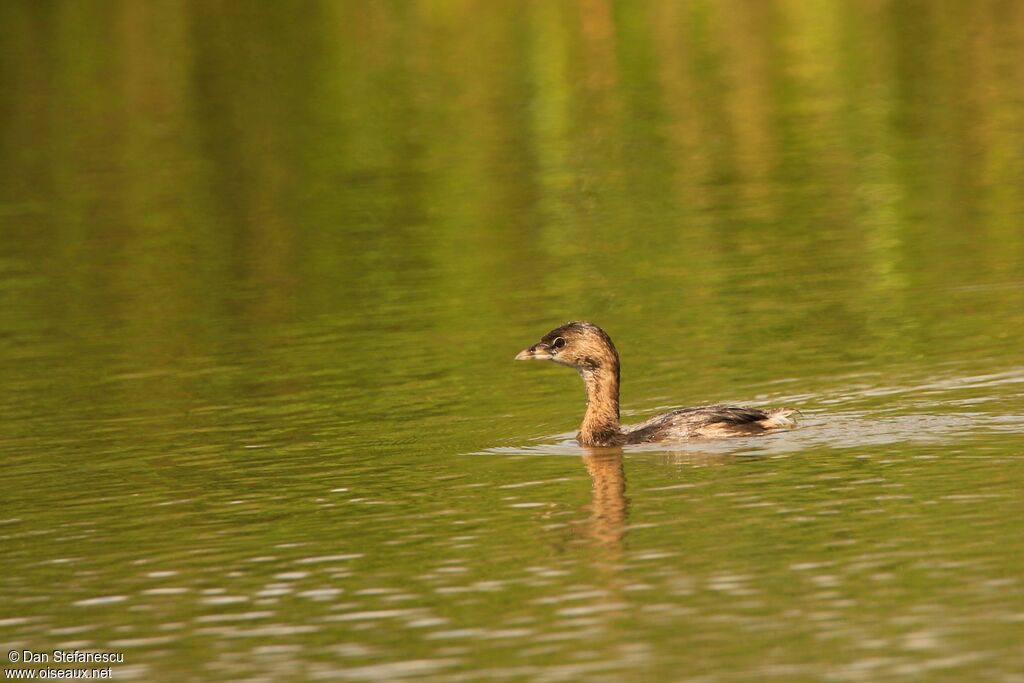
(717, 420)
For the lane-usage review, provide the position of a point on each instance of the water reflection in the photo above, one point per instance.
(609, 506)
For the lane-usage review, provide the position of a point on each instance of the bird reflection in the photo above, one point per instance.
(609, 507)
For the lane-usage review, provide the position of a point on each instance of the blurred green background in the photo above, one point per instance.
(264, 266)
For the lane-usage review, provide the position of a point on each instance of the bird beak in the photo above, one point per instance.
(538, 351)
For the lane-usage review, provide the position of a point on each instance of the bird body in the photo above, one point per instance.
(587, 348)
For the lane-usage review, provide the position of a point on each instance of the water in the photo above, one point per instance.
(263, 272)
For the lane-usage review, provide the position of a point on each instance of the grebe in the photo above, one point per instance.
(590, 350)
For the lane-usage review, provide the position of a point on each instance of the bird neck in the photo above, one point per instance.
(601, 422)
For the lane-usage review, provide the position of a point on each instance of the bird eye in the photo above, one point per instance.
(558, 343)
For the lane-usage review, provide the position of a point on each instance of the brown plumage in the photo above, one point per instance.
(590, 350)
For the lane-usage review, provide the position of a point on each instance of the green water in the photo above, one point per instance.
(264, 267)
